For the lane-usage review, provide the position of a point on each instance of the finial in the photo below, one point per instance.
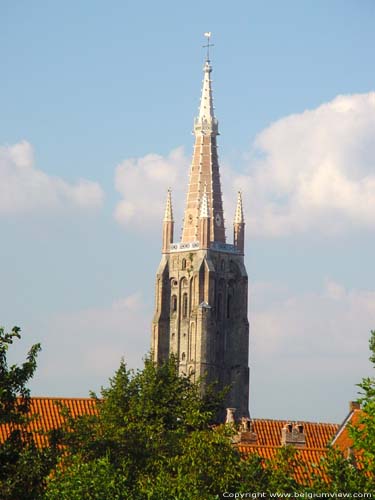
(204, 211)
(239, 218)
(206, 123)
(207, 34)
(168, 214)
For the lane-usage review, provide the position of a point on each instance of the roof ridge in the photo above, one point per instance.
(59, 398)
(292, 420)
(274, 447)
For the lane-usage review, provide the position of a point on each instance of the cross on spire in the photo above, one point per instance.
(208, 45)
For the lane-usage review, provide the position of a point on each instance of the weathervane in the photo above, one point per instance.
(208, 36)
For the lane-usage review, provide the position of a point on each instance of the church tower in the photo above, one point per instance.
(201, 283)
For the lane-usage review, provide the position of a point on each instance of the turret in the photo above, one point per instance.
(204, 222)
(239, 226)
(168, 224)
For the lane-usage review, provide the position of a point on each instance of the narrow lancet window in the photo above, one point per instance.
(174, 303)
(184, 305)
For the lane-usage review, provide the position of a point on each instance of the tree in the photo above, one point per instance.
(14, 394)
(153, 439)
(154, 430)
(96, 479)
(356, 472)
(23, 466)
(338, 473)
(282, 469)
(363, 432)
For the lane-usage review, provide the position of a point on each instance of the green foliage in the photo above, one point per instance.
(342, 473)
(154, 428)
(14, 394)
(153, 439)
(23, 466)
(97, 479)
(363, 432)
(282, 470)
(23, 469)
(255, 475)
(355, 472)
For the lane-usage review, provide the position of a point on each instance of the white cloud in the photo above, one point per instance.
(315, 170)
(309, 171)
(24, 188)
(143, 183)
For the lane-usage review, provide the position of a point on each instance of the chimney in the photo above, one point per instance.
(230, 416)
(246, 433)
(354, 405)
(293, 435)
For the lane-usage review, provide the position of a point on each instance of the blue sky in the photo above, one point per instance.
(96, 109)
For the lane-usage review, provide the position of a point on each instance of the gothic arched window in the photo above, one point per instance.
(174, 303)
(229, 305)
(184, 305)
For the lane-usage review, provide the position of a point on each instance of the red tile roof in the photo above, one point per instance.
(268, 442)
(342, 439)
(318, 435)
(309, 458)
(46, 413)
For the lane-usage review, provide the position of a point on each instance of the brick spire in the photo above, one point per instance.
(204, 169)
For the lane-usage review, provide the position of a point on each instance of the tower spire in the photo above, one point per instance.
(239, 218)
(205, 167)
(168, 224)
(239, 226)
(206, 122)
(168, 214)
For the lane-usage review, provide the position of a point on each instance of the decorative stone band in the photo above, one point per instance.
(182, 247)
(195, 245)
(206, 127)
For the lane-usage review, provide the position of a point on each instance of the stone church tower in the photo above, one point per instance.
(201, 283)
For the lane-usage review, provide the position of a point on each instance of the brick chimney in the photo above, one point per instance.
(353, 405)
(293, 435)
(246, 433)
